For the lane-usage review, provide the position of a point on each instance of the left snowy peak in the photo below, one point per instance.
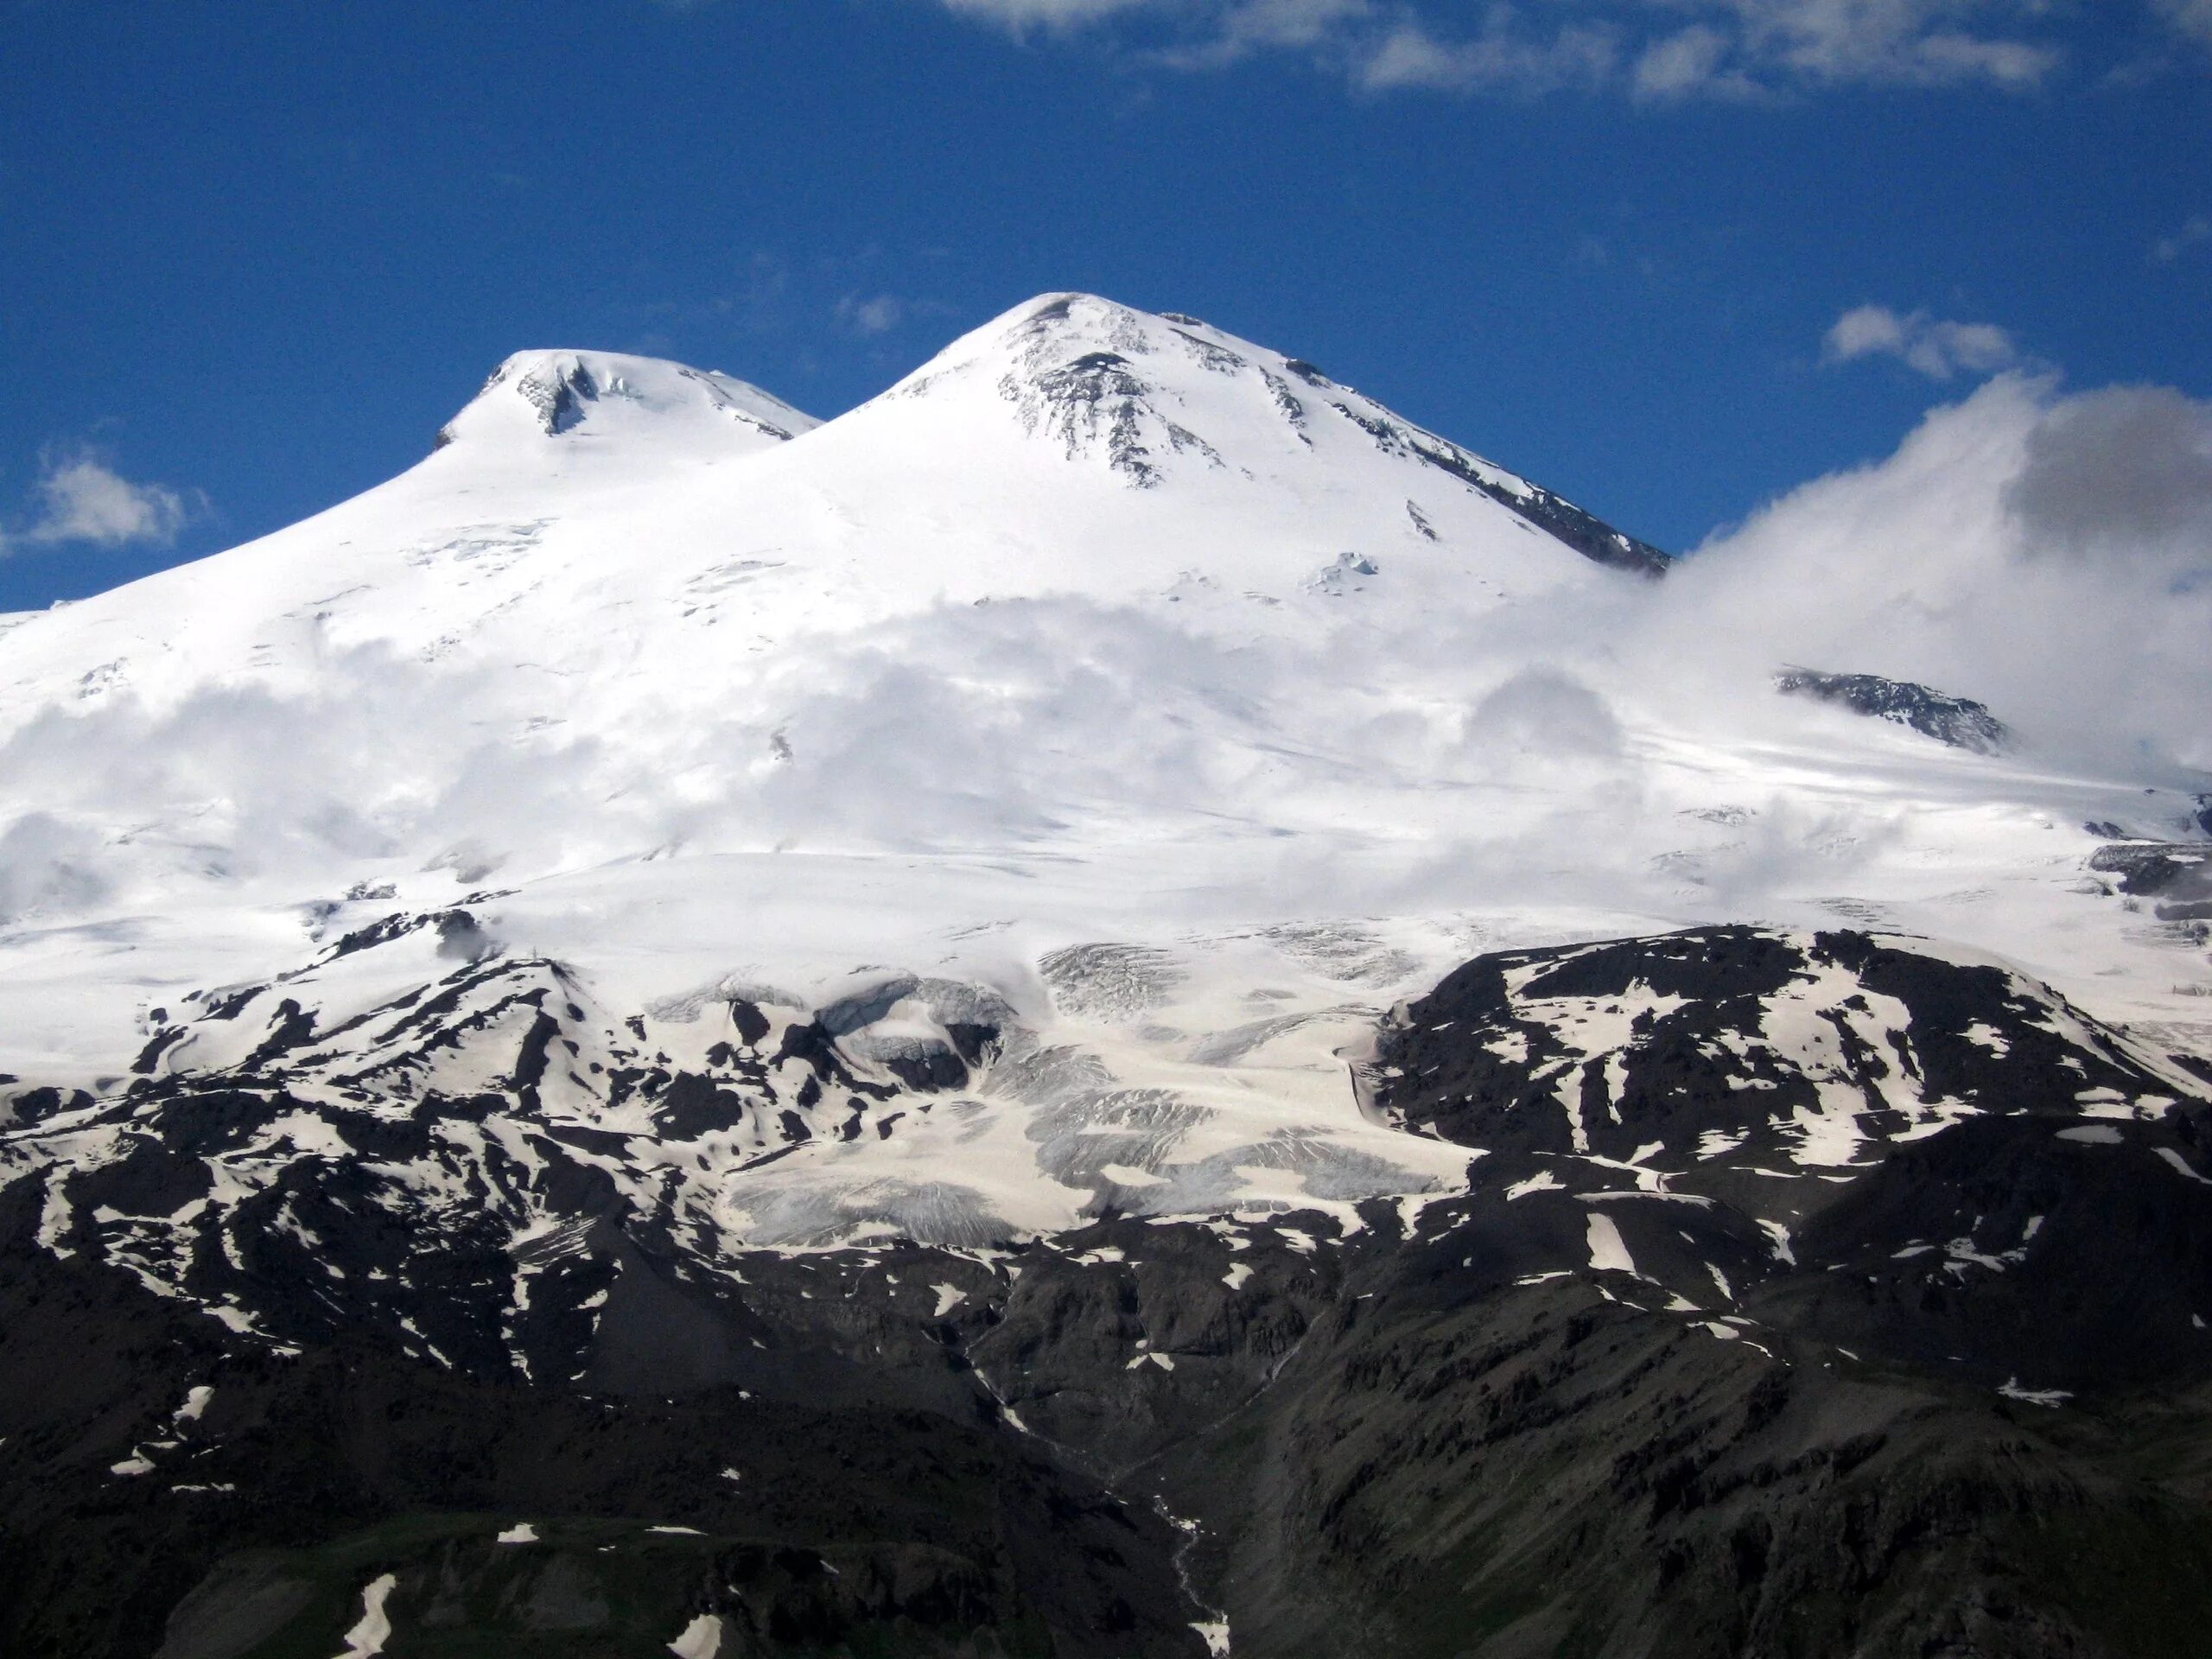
(545, 394)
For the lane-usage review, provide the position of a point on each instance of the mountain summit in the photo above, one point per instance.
(1152, 396)
(562, 390)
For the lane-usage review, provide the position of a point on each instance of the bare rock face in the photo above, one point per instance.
(1096, 377)
(1959, 721)
(1805, 1293)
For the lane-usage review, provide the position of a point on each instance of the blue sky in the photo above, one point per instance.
(1669, 257)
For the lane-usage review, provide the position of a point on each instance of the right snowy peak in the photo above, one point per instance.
(1160, 400)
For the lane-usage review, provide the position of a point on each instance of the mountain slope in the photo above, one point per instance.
(1111, 1005)
(1907, 1249)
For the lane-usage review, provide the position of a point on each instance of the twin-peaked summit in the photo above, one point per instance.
(1090, 578)
(1072, 446)
(1154, 401)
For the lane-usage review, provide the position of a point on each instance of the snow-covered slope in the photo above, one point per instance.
(589, 512)
(1107, 661)
(666, 405)
(678, 985)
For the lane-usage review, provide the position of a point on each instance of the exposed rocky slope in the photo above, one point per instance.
(1959, 721)
(1801, 1295)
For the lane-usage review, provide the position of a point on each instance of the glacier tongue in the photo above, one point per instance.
(417, 1106)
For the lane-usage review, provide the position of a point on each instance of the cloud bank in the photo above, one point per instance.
(2048, 554)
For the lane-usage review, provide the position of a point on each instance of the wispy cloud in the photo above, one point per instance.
(1696, 60)
(878, 314)
(1502, 57)
(80, 498)
(2190, 18)
(777, 296)
(1651, 50)
(1227, 34)
(1044, 14)
(2195, 232)
(1928, 345)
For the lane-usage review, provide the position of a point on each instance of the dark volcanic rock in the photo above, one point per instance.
(2177, 874)
(558, 391)
(2015, 1248)
(814, 1528)
(1698, 1042)
(1958, 721)
(1810, 1294)
(1555, 1470)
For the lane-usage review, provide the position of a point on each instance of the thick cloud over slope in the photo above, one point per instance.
(2049, 555)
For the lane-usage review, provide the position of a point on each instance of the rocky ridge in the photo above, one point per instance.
(1840, 1286)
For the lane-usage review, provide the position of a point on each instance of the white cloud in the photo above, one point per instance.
(1649, 49)
(82, 498)
(1317, 26)
(1502, 58)
(1907, 42)
(1696, 60)
(2123, 474)
(2195, 232)
(876, 315)
(1944, 59)
(1293, 23)
(2048, 555)
(1938, 349)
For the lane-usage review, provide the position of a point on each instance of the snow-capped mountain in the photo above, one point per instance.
(1102, 636)
(1177, 626)
(1117, 903)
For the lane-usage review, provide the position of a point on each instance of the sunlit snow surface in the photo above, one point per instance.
(1173, 705)
(368, 1637)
